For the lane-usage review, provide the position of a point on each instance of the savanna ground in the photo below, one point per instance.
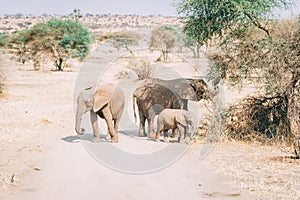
(42, 158)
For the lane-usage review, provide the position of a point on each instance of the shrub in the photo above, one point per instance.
(3, 39)
(141, 69)
(262, 119)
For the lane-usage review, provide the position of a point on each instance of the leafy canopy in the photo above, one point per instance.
(57, 38)
(205, 19)
(121, 38)
(164, 38)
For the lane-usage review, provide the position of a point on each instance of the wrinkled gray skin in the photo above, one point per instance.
(106, 101)
(182, 89)
(175, 119)
(186, 89)
(151, 99)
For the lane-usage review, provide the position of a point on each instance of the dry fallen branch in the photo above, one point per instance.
(263, 119)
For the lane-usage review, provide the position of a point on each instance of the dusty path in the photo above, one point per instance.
(48, 161)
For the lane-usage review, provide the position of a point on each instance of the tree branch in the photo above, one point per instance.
(256, 23)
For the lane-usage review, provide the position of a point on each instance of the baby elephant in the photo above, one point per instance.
(174, 119)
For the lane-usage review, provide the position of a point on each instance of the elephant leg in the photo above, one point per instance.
(181, 133)
(157, 135)
(116, 128)
(160, 127)
(174, 132)
(150, 120)
(151, 127)
(142, 126)
(108, 118)
(166, 138)
(108, 136)
(184, 104)
(94, 121)
(116, 125)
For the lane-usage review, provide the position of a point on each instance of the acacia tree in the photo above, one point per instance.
(164, 38)
(76, 14)
(55, 39)
(252, 47)
(205, 19)
(191, 44)
(122, 39)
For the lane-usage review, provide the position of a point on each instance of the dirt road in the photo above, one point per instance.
(43, 158)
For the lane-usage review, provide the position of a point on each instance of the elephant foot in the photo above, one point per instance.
(152, 136)
(142, 134)
(181, 141)
(188, 141)
(157, 139)
(96, 139)
(166, 139)
(108, 137)
(114, 140)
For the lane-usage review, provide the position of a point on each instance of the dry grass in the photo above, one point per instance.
(262, 119)
(267, 172)
(139, 69)
(1, 74)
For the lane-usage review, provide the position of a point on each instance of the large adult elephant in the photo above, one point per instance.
(105, 100)
(186, 89)
(151, 99)
(166, 94)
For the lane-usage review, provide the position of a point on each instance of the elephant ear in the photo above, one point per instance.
(180, 118)
(200, 88)
(184, 90)
(141, 92)
(101, 98)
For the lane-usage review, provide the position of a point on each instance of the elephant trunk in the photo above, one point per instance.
(78, 122)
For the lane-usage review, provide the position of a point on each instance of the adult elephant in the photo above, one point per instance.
(151, 99)
(186, 89)
(105, 100)
(173, 93)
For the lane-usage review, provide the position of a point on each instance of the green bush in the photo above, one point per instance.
(3, 39)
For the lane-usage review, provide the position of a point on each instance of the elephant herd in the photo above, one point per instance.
(166, 98)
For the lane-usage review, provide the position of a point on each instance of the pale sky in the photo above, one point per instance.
(37, 7)
(140, 7)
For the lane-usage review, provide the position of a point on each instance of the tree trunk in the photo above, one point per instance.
(60, 61)
(198, 46)
(294, 104)
(130, 51)
(36, 64)
(60, 64)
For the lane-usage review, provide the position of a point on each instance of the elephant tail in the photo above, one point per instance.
(133, 104)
